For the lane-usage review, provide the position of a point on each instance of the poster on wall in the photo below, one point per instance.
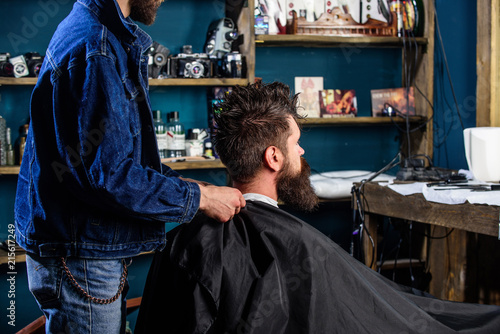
(308, 87)
(338, 103)
(393, 102)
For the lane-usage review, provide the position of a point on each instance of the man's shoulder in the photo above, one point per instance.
(77, 40)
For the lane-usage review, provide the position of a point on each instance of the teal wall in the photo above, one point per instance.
(327, 148)
(457, 23)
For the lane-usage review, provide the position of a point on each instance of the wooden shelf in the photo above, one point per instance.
(334, 41)
(179, 165)
(198, 82)
(152, 82)
(9, 170)
(401, 263)
(203, 164)
(17, 81)
(20, 257)
(359, 121)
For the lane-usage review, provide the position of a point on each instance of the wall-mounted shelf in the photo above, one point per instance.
(20, 257)
(152, 82)
(9, 170)
(204, 164)
(334, 41)
(198, 82)
(180, 165)
(360, 121)
(17, 81)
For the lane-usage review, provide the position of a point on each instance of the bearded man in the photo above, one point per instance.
(266, 271)
(92, 191)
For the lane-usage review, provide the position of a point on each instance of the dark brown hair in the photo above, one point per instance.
(249, 120)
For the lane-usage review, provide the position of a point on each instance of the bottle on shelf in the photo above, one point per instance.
(177, 137)
(207, 148)
(21, 143)
(194, 143)
(10, 151)
(161, 134)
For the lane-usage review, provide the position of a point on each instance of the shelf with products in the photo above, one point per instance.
(178, 165)
(334, 41)
(241, 15)
(9, 81)
(361, 121)
(417, 70)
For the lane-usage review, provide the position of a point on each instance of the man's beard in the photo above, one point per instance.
(144, 11)
(296, 190)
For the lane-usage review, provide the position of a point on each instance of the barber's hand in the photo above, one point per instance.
(221, 203)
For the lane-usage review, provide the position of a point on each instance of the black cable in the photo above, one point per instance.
(410, 73)
(396, 259)
(440, 237)
(357, 202)
(390, 165)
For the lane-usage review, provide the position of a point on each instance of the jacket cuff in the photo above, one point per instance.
(193, 202)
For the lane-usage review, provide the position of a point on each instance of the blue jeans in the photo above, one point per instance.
(66, 308)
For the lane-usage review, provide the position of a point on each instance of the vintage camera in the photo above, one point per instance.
(20, 66)
(220, 37)
(34, 63)
(158, 55)
(6, 68)
(189, 65)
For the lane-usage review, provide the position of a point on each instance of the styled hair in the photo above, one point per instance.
(249, 120)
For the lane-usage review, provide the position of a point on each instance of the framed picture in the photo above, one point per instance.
(393, 102)
(338, 103)
(308, 87)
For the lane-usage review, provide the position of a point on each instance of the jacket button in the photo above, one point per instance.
(127, 49)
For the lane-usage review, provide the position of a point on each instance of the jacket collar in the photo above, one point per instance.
(109, 14)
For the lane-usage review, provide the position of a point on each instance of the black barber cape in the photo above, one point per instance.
(268, 272)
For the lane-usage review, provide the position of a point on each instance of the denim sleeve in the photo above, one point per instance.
(167, 171)
(101, 133)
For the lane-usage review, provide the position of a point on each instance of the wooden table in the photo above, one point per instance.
(466, 265)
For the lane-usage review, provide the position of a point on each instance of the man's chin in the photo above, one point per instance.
(144, 11)
(296, 190)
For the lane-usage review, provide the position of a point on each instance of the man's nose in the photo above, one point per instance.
(301, 151)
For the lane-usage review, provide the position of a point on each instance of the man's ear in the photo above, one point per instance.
(273, 158)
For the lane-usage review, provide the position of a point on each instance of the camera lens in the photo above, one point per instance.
(34, 69)
(6, 69)
(196, 70)
(160, 59)
(20, 70)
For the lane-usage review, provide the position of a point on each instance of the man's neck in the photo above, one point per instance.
(262, 184)
(125, 7)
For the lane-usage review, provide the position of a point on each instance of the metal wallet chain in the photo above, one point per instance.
(85, 294)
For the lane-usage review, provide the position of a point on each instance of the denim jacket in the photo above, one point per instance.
(91, 182)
